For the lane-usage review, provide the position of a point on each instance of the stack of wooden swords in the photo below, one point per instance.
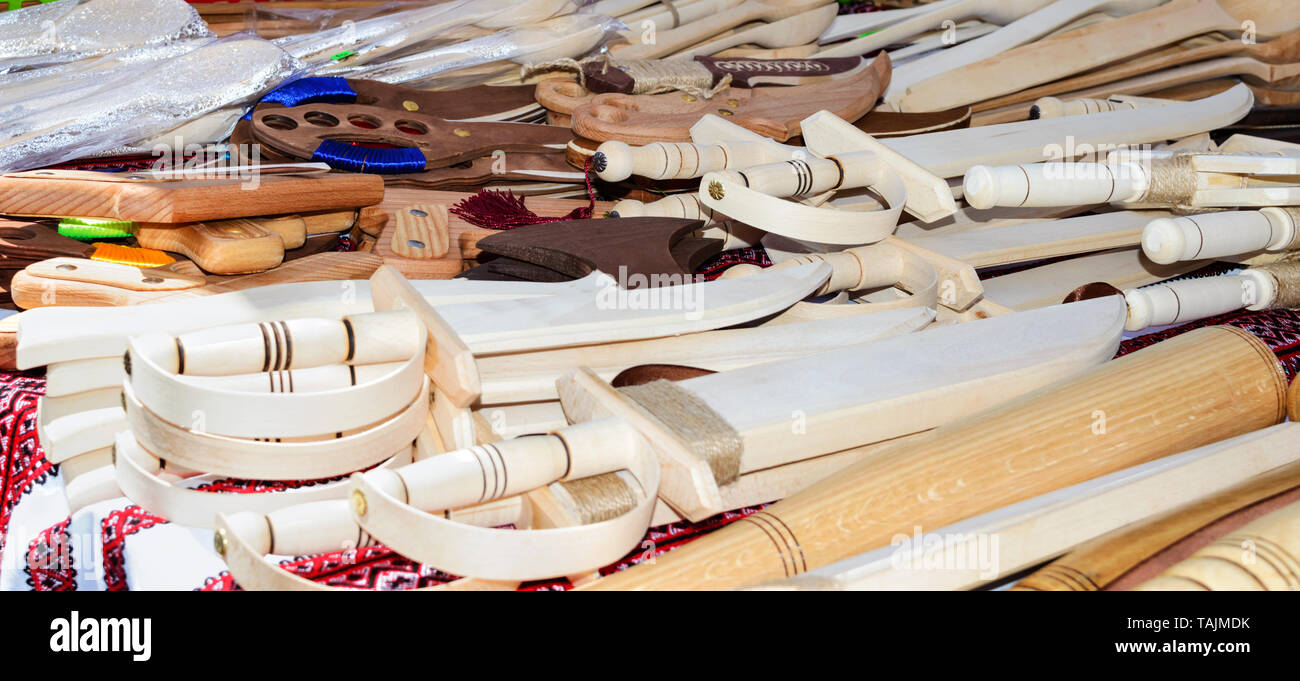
(962, 294)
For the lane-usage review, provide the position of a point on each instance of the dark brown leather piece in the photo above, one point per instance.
(646, 373)
(645, 246)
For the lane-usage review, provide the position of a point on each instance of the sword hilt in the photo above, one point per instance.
(1054, 184)
(1215, 235)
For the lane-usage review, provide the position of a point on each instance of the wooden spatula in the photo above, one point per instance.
(1088, 48)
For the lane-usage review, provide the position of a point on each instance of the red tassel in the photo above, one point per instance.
(494, 209)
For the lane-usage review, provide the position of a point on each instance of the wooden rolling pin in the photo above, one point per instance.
(1206, 385)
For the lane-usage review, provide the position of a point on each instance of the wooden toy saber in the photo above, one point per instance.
(1264, 287)
(707, 431)
(1180, 180)
(1102, 421)
(1219, 235)
(951, 153)
(490, 316)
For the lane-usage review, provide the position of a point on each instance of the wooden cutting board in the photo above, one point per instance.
(121, 196)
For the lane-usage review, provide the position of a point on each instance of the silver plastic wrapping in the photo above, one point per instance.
(568, 36)
(221, 74)
(70, 30)
(33, 90)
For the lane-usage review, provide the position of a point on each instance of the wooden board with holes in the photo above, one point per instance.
(462, 236)
(71, 193)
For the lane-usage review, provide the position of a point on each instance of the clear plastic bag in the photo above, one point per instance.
(148, 101)
(34, 90)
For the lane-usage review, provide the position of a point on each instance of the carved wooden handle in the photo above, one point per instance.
(1215, 235)
(1188, 299)
(1052, 107)
(507, 467)
(813, 175)
(616, 161)
(368, 338)
(1054, 184)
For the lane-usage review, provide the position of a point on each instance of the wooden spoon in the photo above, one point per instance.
(1283, 49)
(999, 12)
(1077, 51)
(795, 30)
(668, 42)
